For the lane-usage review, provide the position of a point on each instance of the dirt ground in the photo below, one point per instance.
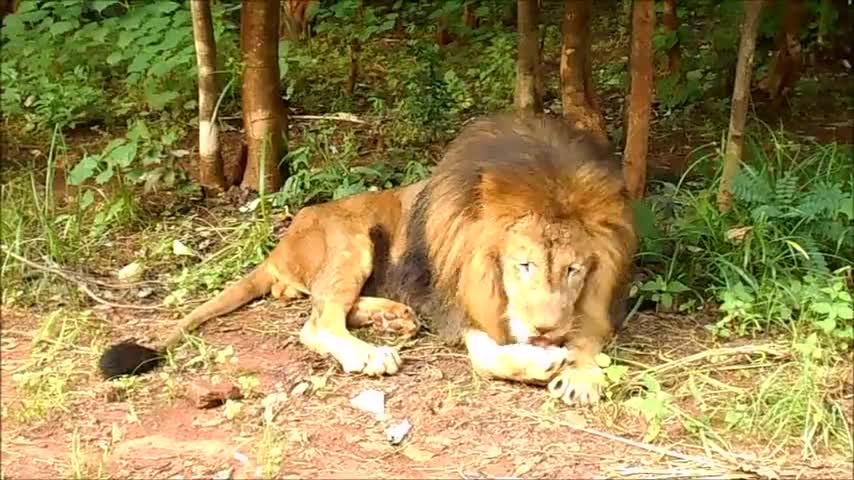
(462, 426)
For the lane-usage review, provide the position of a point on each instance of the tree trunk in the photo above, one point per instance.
(580, 106)
(210, 160)
(640, 98)
(470, 20)
(355, 48)
(670, 19)
(738, 107)
(528, 63)
(353, 74)
(294, 19)
(823, 21)
(786, 66)
(443, 34)
(263, 112)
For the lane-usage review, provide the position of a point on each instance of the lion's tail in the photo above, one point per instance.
(130, 358)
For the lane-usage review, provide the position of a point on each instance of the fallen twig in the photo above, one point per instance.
(768, 348)
(724, 468)
(342, 117)
(80, 283)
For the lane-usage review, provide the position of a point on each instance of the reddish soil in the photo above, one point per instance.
(463, 426)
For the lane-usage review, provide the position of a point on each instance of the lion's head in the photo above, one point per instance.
(527, 216)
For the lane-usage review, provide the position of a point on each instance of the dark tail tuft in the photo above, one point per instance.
(128, 358)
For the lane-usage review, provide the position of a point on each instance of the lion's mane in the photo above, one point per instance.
(497, 171)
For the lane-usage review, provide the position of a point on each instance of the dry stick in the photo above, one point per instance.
(80, 284)
(341, 118)
(641, 445)
(721, 352)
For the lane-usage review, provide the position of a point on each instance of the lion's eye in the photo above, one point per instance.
(525, 267)
(572, 270)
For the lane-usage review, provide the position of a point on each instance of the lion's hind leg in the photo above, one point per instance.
(334, 292)
(384, 315)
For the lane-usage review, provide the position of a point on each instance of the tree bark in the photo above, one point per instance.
(210, 160)
(785, 69)
(580, 106)
(470, 20)
(670, 19)
(823, 21)
(738, 107)
(640, 98)
(263, 112)
(294, 18)
(529, 97)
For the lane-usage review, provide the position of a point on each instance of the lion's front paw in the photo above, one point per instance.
(546, 362)
(525, 363)
(354, 355)
(578, 386)
(369, 359)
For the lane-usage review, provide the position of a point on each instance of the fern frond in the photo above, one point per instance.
(750, 188)
(786, 190)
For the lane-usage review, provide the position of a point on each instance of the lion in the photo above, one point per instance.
(522, 233)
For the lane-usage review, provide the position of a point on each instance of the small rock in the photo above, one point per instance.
(207, 395)
(131, 271)
(397, 432)
(371, 401)
(241, 458)
(300, 389)
(144, 292)
(272, 404)
(418, 454)
(224, 474)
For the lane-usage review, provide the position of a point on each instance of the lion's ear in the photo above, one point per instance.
(482, 293)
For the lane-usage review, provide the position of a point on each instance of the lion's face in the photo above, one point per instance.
(543, 272)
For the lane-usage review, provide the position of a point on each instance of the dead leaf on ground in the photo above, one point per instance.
(418, 454)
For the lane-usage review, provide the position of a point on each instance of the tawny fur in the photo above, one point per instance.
(438, 245)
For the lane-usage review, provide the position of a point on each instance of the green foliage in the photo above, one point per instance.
(654, 404)
(64, 65)
(337, 179)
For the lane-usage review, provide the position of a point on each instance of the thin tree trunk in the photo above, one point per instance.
(528, 94)
(670, 19)
(738, 108)
(353, 75)
(294, 19)
(469, 17)
(640, 98)
(263, 112)
(580, 106)
(786, 66)
(823, 21)
(355, 49)
(210, 160)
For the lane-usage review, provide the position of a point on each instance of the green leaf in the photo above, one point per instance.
(845, 312)
(87, 199)
(827, 325)
(83, 170)
(114, 58)
(105, 175)
(100, 5)
(820, 307)
(167, 6)
(59, 28)
(160, 69)
(122, 155)
(159, 100)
